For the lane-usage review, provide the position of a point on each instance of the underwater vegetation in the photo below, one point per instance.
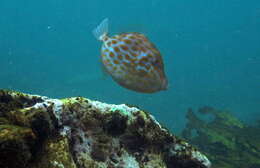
(39, 132)
(228, 142)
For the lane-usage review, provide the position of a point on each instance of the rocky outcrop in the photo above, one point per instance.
(39, 132)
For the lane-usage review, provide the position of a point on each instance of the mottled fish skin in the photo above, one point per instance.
(134, 62)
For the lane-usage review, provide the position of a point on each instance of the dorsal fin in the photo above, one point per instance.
(101, 30)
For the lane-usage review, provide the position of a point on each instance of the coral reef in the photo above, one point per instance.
(39, 132)
(227, 142)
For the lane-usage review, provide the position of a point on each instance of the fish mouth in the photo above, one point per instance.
(164, 85)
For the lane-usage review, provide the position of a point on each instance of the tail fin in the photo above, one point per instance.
(101, 30)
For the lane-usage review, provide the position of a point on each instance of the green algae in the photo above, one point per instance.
(121, 110)
(15, 143)
(19, 128)
(55, 153)
(11, 100)
(75, 103)
(3, 121)
(14, 133)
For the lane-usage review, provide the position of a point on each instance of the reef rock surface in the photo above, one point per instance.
(39, 132)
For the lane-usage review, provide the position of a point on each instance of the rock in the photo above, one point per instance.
(39, 132)
(227, 141)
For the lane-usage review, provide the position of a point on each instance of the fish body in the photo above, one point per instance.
(132, 60)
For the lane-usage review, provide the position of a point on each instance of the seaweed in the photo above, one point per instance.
(227, 141)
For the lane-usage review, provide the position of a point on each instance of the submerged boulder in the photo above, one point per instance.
(39, 132)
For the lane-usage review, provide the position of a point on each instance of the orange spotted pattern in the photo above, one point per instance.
(134, 62)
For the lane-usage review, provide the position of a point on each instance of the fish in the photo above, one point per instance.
(131, 60)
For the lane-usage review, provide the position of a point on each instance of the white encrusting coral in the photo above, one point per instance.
(66, 131)
(175, 149)
(104, 108)
(56, 107)
(57, 164)
(85, 144)
(129, 161)
(201, 158)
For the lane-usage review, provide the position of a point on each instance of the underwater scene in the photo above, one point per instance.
(105, 70)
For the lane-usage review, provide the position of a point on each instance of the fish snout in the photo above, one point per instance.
(164, 85)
